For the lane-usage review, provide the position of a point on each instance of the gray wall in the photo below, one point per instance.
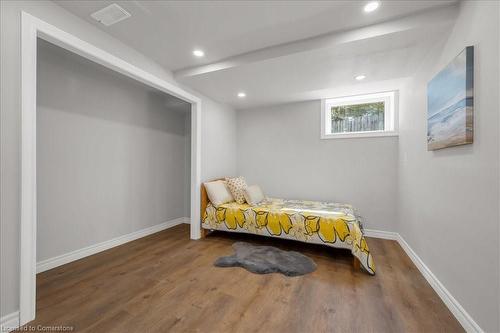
(449, 198)
(219, 138)
(111, 156)
(280, 149)
(10, 131)
(187, 156)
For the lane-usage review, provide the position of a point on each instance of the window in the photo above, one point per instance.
(359, 116)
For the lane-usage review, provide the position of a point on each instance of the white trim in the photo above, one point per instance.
(9, 322)
(63, 259)
(27, 267)
(390, 98)
(354, 135)
(195, 170)
(453, 305)
(381, 234)
(31, 29)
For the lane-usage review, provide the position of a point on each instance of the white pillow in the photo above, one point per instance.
(253, 195)
(218, 193)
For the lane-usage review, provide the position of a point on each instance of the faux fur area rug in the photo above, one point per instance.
(267, 259)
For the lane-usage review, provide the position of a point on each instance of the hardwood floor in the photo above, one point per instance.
(166, 283)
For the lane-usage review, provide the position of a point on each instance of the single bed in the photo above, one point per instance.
(329, 224)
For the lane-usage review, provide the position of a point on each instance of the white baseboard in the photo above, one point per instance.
(380, 234)
(453, 305)
(9, 322)
(47, 264)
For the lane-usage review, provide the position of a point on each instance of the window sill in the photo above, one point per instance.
(356, 135)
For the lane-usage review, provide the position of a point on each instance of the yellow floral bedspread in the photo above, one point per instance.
(324, 223)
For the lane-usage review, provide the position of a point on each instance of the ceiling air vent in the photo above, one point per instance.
(110, 15)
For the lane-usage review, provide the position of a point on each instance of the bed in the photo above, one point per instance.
(331, 224)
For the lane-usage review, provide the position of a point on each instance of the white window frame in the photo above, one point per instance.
(390, 98)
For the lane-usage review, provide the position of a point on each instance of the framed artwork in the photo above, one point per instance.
(450, 103)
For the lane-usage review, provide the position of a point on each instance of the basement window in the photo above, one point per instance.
(369, 115)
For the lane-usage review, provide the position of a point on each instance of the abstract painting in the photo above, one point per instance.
(450, 103)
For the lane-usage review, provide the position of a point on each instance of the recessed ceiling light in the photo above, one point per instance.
(198, 53)
(242, 94)
(360, 77)
(371, 6)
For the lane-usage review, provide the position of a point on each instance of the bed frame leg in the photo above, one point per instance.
(204, 232)
(356, 263)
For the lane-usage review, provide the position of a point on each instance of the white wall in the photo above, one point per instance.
(111, 156)
(10, 24)
(219, 141)
(449, 198)
(280, 149)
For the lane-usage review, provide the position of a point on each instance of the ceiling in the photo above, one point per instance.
(277, 51)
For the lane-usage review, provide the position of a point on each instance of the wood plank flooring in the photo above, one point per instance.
(166, 283)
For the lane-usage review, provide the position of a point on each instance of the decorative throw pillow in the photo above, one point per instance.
(218, 192)
(237, 187)
(254, 195)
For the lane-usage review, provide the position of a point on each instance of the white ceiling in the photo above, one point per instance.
(248, 35)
